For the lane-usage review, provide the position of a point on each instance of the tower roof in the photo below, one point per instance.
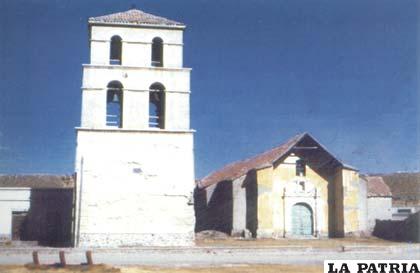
(135, 17)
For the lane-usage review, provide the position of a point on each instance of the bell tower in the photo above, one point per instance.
(134, 156)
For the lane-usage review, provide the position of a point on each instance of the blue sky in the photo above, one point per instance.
(263, 71)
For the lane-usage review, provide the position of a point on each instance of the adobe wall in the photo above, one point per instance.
(277, 194)
(351, 195)
(11, 199)
(125, 197)
(379, 208)
(363, 206)
(48, 218)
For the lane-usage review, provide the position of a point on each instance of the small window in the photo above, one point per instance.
(407, 211)
(157, 52)
(116, 50)
(156, 106)
(114, 99)
(300, 167)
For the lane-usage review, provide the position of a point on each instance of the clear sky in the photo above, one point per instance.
(263, 70)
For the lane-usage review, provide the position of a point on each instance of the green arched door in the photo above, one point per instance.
(302, 220)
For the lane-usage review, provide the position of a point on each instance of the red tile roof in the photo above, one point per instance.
(240, 168)
(134, 17)
(376, 187)
(405, 187)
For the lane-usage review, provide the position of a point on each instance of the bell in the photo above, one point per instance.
(156, 96)
(115, 98)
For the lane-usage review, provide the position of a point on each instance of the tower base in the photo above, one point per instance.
(136, 239)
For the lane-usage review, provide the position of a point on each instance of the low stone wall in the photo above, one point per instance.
(406, 231)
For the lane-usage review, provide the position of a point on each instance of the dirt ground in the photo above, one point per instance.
(232, 269)
(318, 243)
(136, 269)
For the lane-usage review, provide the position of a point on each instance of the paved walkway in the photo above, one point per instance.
(210, 256)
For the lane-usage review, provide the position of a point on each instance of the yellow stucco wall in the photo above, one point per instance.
(271, 183)
(286, 172)
(351, 200)
(344, 201)
(265, 183)
(338, 221)
(346, 194)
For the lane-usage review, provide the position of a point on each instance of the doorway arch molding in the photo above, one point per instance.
(302, 191)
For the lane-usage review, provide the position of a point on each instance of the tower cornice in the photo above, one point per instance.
(124, 130)
(152, 68)
(174, 27)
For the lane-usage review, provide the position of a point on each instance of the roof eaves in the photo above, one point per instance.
(263, 166)
(296, 141)
(344, 165)
(379, 195)
(145, 25)
(347, 166)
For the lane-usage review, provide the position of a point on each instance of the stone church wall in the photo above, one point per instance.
(125, 197)
(262, 201)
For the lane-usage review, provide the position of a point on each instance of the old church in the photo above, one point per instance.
(134, 157)
(297, 189)
(134, 164)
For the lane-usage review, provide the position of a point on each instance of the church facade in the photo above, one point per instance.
(297, 189)
(134, 157)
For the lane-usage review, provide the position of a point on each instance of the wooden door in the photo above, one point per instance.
(18, 220)
(302, 220)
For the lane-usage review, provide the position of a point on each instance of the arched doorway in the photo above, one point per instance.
(302, 220)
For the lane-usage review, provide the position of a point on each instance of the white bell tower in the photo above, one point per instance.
(134, 156)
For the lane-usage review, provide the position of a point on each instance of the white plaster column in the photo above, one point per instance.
(239, 207)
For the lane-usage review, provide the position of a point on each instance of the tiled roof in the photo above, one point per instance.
(134, 17)
(237, 169)
(240, 168)
(376, 187)
(404, 186)
(37, 181)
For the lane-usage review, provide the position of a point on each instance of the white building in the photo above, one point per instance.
(14, 204)
(36, 208)
(134, 157)
(379, 201)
